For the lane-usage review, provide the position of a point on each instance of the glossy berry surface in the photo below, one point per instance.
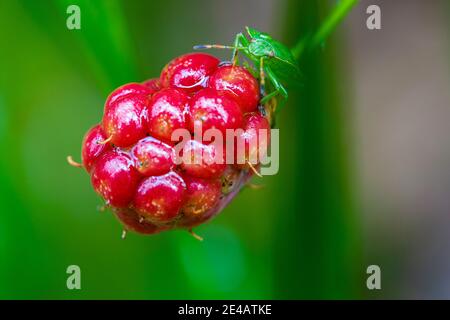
(211, 110)
(160, 198)
(115, 178)
(201, 195)
(189, 72)
(132, 221)
(125, 120)
(238, 84)
(167, 112)
(153, 183)
(152, 84)
(255, 139)
(92, 147)
(130, 88)
(202, 160)
(152, 157)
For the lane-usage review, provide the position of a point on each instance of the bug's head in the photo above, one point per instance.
(256, 35)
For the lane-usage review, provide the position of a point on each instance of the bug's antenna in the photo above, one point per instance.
(215, 46)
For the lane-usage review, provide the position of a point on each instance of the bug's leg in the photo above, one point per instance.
(279, 89)
(262, 77)
(239, 42)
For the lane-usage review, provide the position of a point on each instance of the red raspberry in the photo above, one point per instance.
(202, 161)
(202, 195)
(92, 147)
(160, 198)
(153, 84)
(189, 72)
(115, 178)
(134, 222)
(210, 109)
(253, 139)
(152, 157)
(167, 112)
(134, 88)
(238, 84)
(132, 159)
(125, 120)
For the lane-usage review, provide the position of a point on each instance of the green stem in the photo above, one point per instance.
(336, 16)
(317, 252)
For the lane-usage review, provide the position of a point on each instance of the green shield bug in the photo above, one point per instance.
(273, 59)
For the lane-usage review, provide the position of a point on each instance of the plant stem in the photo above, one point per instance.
(317, 252)
(330, 23)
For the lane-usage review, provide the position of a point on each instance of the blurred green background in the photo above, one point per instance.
(304, 235)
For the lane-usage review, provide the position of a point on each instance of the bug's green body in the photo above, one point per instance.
(277, 57)
(273, 59)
